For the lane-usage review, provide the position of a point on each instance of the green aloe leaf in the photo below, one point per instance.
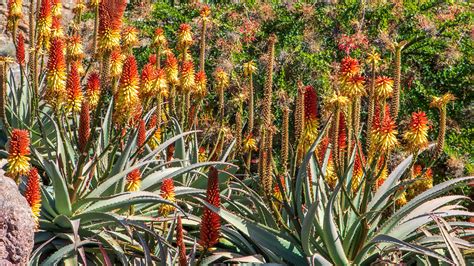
(125, 200)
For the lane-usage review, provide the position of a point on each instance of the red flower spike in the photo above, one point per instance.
(74, 91)
(45, 9)
(110, 14)
(20, 50)
(84, 126)
(18, 153)
(342, 138)
(324, 144)
(33, 192)
(180, 243)
(152, 59)
(310, 103)
(141, 138)
(211, 221)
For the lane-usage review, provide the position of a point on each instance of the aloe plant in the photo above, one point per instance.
(341, 226)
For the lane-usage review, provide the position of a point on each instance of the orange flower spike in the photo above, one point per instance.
(84, 127)
(14, 10)
(75, 50)
(57, 28)
(18, 154)
(211, 222)
(161, 83)
(167, 193)
(386, 134)
(110, 22)
(127, 100)
(20, 50)
(45, 19)
(74, 92)
(116, 63)
(14, 15)
(141, 136)
(33, 193)
(183, 261)
(134, 180)
(187, 79)
(205, 11)
(354, 86)
(417, 134)
(159, 38)
(171, 69)
(349, 67)
(130, 37)
(185, 37)
(56, 74)
(201, 84)
(148, 81)
(93, 90)
(358, 172)
(383, 87)
(56, 8)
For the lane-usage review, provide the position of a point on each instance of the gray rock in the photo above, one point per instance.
(16, 225)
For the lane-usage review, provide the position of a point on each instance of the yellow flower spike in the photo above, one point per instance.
(442, 101)
(417, 134)
(383, 87)
(373, 57)
(249, 68)
(249, 144)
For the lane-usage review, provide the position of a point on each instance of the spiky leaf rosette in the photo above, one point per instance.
(211, 222)
(56, 74)
(74, 91)
(33, 193)
(110, 21)
(18, 154)
(167, 193)
(20, 50)
(84, 127)
(126, 98)
(93, 90)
